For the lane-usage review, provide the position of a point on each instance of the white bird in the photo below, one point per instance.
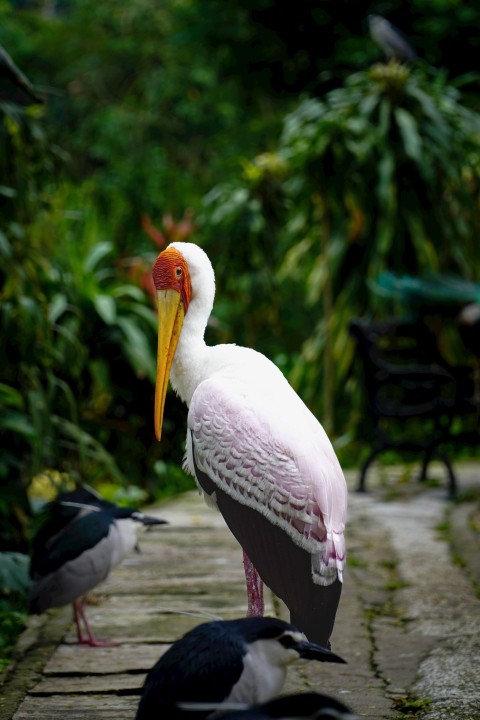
(255, 450)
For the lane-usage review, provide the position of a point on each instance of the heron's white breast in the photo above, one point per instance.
(264, 670)
(124, 532)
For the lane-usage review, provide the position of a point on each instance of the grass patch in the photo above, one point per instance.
(390, 563)
(13, 617)
(444, 529)
(410, 706)
(396, 585)
(356, 562)
(468, 495)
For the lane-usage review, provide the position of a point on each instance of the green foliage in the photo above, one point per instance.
(249, 216)
(14, 573)
(383, 173)
(140, 104)
(73, 325)
(128, 496)
(27, 159)
(171, 480)
(78, 333)
(409, 706)
(12, 622)
(14, 584)
(382, 151)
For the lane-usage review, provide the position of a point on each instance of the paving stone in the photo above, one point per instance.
(78, 660)
(117, 684)
(150, 623)
(77, 707)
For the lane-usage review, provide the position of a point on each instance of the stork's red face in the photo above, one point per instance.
(174, 291)
(170, 272)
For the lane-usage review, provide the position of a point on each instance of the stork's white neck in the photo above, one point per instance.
(192, 354)
(194, 360)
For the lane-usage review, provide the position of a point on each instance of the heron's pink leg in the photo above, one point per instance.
(80, 614)
(254, 588)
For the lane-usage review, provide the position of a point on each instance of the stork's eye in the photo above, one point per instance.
(178, 272)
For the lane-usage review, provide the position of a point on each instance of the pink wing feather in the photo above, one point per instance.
(259, 443)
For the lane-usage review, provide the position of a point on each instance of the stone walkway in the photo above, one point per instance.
(408, 622)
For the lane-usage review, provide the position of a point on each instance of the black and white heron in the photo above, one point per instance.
(225, 663)
(255, 449)
(76, 550)
(58, 513)
(301, 706)
(390, 39)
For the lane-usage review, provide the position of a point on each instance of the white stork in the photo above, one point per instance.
(255, 450)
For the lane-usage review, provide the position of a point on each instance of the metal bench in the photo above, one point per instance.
(412, 394)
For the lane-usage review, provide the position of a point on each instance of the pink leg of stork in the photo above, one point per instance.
(254, 588)
(80, 616)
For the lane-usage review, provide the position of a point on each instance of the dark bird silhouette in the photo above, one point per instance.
(84, 537)
(223, 662)
(390, 39)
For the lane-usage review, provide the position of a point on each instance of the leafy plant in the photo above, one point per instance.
(12, 622)
(383, 173)
(14, 573)
(411, 706)
(14, 584)
(92, 324)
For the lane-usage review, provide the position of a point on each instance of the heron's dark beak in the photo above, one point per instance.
(312, 651)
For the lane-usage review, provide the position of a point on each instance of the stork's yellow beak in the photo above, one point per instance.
(170, 321)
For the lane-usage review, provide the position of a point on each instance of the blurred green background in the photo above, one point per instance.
(276, 137)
